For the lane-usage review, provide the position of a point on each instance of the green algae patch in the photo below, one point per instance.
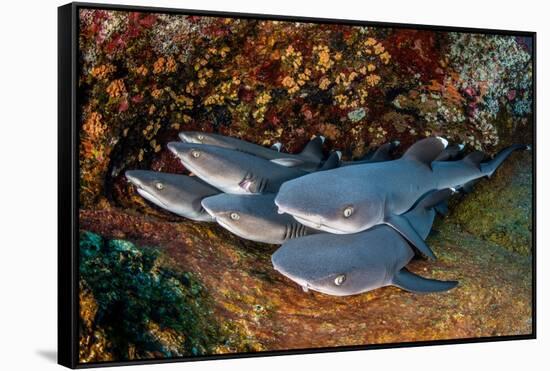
(500, 209)
(142, 303)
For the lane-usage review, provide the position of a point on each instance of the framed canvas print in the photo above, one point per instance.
(235, 185)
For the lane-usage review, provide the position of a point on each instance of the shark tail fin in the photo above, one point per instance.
(414, 283)
(489, 167)
(426, 150)
(314, 148)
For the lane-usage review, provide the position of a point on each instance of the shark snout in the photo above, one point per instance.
(133, 176)
(176, 148)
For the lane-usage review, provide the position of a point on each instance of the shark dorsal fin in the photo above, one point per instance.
(383, 153)
(475, 158)
(426, 150)
(314, 148)
(411, 282)
(277, 146)
(332, 162)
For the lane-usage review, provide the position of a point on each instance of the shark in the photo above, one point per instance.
(236, 172)
(178, 194)
(352, 264)
(352, 199)
(254, 217)
(309, 159)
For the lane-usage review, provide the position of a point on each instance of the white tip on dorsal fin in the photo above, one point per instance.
(444, 141)
(426, 150)
(322, 138)
(461, 146)
(277, 146)
(339, 154)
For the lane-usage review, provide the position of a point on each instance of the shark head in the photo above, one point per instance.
(179, 194)
(223, 168)
(339, 206)
(330, 264)
(253, 217)
(198, 137)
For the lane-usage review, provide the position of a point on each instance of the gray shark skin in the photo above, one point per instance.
(179, 194)
(254, 217)
(356, 263)
(352, 264)
(233, 171)
(382, 153)
(309, 159)
(355, 198)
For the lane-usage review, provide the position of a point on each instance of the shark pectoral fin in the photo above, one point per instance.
(277, 147)
(469, 186)
(442, 208)
(435, 198)
(426, 150)
(401, 224)
(287, 162)
(420, 285)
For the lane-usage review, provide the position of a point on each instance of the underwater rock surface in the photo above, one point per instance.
(265, 311)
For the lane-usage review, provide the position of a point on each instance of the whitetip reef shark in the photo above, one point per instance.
(179, 194)
(352, 264)
(254, 217)
(309, 159)
(236, 172)
(352, 199)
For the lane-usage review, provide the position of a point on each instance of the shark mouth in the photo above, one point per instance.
(318, 226)
(149, 197)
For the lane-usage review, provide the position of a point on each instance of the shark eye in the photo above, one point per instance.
(348, 211)
(200, 137)
(339, 280)
(234, 216)
(159, 186)
(195, 154)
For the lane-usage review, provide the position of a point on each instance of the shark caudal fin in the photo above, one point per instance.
(489, 167)
(314, 148)
(414, 283)
(426, 150)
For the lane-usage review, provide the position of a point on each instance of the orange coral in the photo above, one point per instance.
(116, 88)
(101, 72)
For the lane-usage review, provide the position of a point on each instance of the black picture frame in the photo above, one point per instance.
(68, 175)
